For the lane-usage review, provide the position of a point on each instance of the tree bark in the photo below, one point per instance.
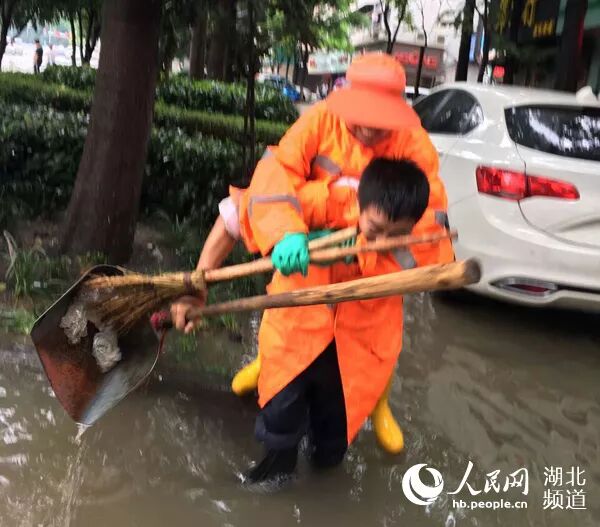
(305, 54)
(73, 41)
(222, 39)
(571, 43)
(198, 44)
(3, 35)
(80, 23)
(249, 114)
(511, 63)
(104, 205)
(5, 21)
(91, 38)
(420, 68)
(462, 66)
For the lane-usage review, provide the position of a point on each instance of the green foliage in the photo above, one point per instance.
(180, 91)
(17, 320)
(20, 88)
(29, 90)
(187, 175)
(217, 125)
(39, 156)
(76, 78)
(220, 97)
(24, 272)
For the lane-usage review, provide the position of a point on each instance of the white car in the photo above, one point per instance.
(522, 172)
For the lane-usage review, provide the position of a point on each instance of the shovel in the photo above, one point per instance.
(86, 393)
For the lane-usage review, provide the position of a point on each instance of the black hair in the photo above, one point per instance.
(397, 187)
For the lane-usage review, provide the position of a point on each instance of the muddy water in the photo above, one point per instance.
(502, 387)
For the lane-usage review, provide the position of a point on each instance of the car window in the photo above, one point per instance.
(427, 107)
(451, 112)
(564, 131)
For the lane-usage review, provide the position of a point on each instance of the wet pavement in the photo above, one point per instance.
(503, 387)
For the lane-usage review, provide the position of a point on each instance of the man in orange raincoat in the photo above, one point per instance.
(317, 165)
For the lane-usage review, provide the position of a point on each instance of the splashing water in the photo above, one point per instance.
(81, 428)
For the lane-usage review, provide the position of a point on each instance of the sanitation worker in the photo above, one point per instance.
(309, 181)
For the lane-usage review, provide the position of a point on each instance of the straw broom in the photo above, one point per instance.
(120, 301)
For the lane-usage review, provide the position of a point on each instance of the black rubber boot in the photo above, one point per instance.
(276, 465)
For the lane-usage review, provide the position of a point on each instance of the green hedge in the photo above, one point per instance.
(76, 78)
(207, 96)
(27, 89)
(41, 148)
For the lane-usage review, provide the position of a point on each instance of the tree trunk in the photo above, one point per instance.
(91, 38)
(198, 44)
(73, 41)
(249, 114)
(3, 35)
(287, 69)
(486, 42)
(420, 68)
(462, 66)
(510, 63)
(105, 201)
(80, 23)
(6, 20)
(568, 66)
(484, 56)
(222, 38)
(305, 54)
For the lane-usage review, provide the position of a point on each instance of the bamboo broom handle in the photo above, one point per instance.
(430, 278)
(324, 255)
(264, 265)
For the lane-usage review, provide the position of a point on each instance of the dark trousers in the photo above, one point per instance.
(312, 403)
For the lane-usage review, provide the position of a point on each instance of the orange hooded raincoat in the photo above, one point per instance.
(309, 182)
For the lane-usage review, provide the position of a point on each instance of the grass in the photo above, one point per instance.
(17, 320)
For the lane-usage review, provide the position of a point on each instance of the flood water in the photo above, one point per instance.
(500, 386)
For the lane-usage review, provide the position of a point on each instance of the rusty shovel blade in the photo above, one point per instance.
(84, 391)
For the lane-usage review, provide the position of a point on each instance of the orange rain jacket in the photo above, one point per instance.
(309, 182)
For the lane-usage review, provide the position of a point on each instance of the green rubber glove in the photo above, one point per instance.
(290, 255)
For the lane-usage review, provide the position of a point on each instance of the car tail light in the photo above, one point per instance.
(512, 185)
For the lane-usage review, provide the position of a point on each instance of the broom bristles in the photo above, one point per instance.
(121, 301)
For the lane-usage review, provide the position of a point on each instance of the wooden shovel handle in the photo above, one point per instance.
(430, 278)
(322, 255)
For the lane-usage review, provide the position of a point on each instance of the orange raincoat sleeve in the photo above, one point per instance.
(419, 149)
(270, 207)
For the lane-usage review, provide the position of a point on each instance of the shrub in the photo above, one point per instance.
(219, 97)
(26, 89)
(40, 153)
(77, 78)
(207, 96)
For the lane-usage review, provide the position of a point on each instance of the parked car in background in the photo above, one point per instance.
(280, 83)
(522, 171)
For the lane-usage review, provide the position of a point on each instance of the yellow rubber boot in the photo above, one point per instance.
(246, 380)
(387, 430)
